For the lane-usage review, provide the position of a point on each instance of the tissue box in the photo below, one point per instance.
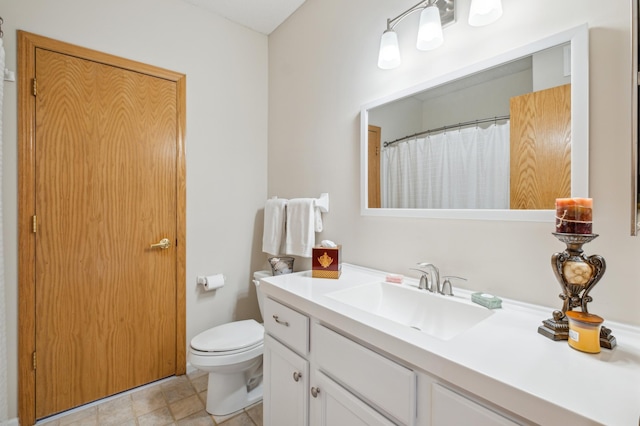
(326, 262)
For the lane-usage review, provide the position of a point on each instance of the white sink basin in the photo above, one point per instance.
(440, 316)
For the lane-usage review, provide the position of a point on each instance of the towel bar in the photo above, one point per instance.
(322, 203)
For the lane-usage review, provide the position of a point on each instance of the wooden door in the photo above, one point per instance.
(374, 157)
(540, 148)
(106, 186)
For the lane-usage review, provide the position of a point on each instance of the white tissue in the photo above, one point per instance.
(328, 244)
(213, 282)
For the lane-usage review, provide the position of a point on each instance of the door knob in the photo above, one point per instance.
(315, 392)
(163, 244)
(296, 376)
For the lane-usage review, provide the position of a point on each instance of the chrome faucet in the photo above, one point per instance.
(434, 274)
(430, 279)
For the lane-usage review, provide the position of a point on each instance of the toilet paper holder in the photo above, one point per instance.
(211, 282)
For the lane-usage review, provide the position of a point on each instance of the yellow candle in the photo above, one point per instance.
(584, 331)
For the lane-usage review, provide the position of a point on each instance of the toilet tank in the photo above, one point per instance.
(256, 281)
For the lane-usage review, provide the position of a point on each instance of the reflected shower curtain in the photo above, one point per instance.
(458, 169)
(3, 313)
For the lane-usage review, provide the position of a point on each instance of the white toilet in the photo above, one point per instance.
(232, 355)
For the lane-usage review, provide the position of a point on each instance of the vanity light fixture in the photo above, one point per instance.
(484, 12)
(430, 29)
(434, 15)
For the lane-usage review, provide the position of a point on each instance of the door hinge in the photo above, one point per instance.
(34, 360)
(34, 224)
(34, 87)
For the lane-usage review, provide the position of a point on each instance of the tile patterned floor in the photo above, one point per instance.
(176, 401)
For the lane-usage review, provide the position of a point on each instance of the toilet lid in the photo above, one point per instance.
(229, 337)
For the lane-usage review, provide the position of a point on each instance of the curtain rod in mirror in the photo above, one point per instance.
(448, 127)
(434, 16)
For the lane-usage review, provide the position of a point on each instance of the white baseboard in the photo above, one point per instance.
(13, 422)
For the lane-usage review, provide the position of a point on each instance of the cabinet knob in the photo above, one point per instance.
(279, 321)
(315, 392)
(296, 376)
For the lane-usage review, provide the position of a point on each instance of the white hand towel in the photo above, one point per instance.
(317, 219)
(300, 235)
(274, 225)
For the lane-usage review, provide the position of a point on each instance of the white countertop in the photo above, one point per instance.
(502, 359)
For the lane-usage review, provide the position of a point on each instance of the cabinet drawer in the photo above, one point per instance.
(287, 325)
(382, 382)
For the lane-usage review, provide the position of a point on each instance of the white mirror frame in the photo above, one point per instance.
(579, 38)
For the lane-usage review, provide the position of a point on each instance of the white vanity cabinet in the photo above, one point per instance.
(322, 392)
(286, 368)
(451, 408)
(286, 385)
(331, 364)
(384, 384)
(314, 375)
(333, 405)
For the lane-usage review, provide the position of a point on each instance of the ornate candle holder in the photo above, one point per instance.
(577, 274)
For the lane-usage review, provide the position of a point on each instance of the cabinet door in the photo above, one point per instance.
(450, 408)
(333, 405)
(286, 384)
(385, 384)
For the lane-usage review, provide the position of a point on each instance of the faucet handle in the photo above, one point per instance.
(424, 281)
(447, 289)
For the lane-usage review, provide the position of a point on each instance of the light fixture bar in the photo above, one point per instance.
(436, 14)
(446, 7)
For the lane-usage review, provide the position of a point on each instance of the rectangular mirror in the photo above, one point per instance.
(497, 140)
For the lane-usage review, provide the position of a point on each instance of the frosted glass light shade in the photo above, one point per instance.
(430, 29)
(389, 55)
(484, 12)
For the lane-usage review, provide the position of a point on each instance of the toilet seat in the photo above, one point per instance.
(222, 360)
(226, 353)
(227, 339)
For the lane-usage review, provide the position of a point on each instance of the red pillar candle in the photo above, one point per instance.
(574, 215)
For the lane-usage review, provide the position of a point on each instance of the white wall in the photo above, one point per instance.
(397, 119)
(483, 100)
(322, 69)
(548, 68)
(447, 107)
(226, 68)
